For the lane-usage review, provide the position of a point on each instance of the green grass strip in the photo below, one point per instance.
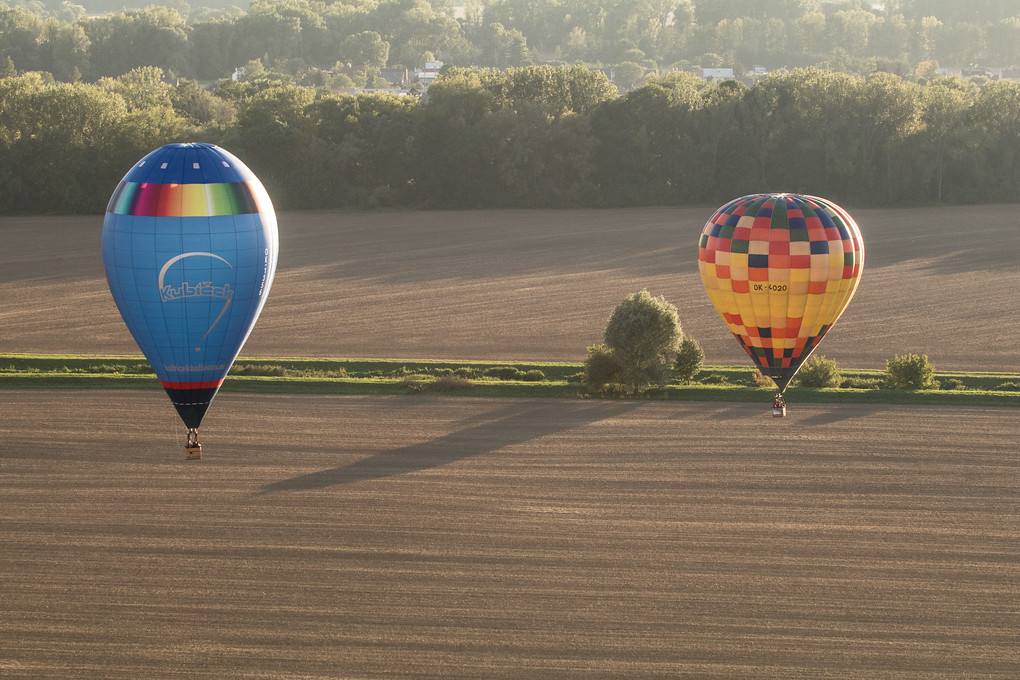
(295, 375)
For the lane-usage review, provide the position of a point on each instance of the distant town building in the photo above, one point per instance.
(426, 75)
(717, 73)
(975, 70)
(395, 76)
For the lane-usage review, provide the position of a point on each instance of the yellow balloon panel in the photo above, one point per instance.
(780, 269)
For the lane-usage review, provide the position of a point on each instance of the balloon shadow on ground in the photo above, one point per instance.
(483, 433)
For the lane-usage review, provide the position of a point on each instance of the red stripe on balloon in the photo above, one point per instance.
(191, 385)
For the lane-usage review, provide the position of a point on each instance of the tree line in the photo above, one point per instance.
(530, 137)
(312, 38)
(539, 136)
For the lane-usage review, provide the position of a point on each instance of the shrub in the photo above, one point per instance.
(689, 359)
(644, 334)
(534, 375)
(952, 384)
(504, 372)
(601, 368)
(819, 372)
(720, 379)
(762, 380)
(449, 383)
(861, 384)
(1011, 386)
(107, 368)
(911, 372)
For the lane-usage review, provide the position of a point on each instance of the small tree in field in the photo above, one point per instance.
(689, 359)
(601, 369)
(644, 334)
(911, 372)
(819, 372)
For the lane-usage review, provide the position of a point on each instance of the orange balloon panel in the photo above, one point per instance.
(780, 269)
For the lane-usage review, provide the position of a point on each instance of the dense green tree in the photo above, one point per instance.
(956, 11)
(452, 150)
(946, 103)
(629, 75)
(887, 112)
(719, 161)
(601, 369)
(760, 123)
(413, 26)
(365, 49)
(20, 37)
(851, 30)
(59, 142)
(553, 91)
(996, 118)
(211, 53)
(141, 87)
(500, 47)
(689, 359)
(201, 107)
(644, 335)
(1004, 41)
(64, 50)
(155, 36)
(363, 148)
(644, 151)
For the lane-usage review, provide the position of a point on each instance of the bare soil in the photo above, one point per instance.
(536, 285)
(370, 537)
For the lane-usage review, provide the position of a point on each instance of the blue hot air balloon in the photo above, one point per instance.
(190, 245)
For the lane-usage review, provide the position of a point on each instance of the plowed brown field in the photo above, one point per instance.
(536, 285)
(417, 536)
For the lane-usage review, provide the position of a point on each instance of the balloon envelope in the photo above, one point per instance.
(190, 246)
(780, 269)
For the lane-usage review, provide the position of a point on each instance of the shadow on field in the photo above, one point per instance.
(742, 410)
(835, 413)
(484, 433)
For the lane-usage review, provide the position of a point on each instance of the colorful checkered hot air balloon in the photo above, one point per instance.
(780, 269)
(190, 246)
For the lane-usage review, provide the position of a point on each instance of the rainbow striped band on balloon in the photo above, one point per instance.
(144, 199)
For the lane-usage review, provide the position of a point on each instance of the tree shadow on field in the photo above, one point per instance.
(481, 434)
(741, 410)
